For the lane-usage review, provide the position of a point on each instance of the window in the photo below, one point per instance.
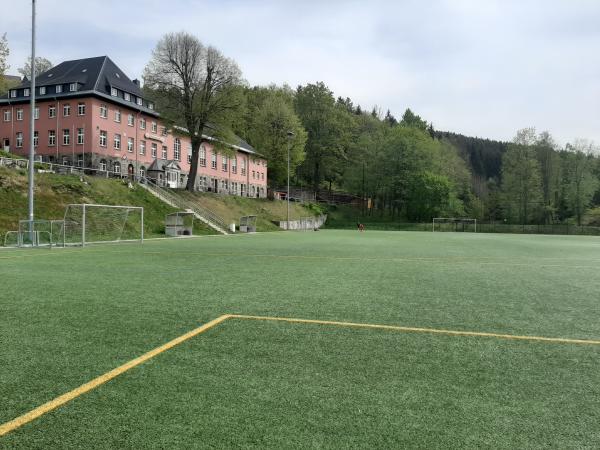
(19, 139)
(36, 113)
(103, 139)
(117, 142)
(42, 90)
(26, 92)
(151, 105)
(103, 165)
(142, 172)
(81, 109)
(224, 163)
(66, 110)
(65, 161)
(164, 152)
(234, 165)
(103, 111)
(189, 154)
(130, 145)
(117, 167)
(73, 87)
(36, 138)
(51, 138)
(262, 176)
(213, 161)
(79, 161)
(164, 131)
(118, 115)
(51, 111)
(139, 101)
(202, 156)
(19, 114)
(154, 127)
(58, 88)
(13, 93)
(114, 92)
(80, 136)
(142, 147)
(126, 96)
(130, 120)
(66, 137)
(177, 150)
(7, 115)
(243, 170)
(154, 149)
(142, 124)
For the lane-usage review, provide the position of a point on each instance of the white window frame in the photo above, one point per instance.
(164, 152)
(72, 87)
(224, 163)
(81, 109)
(26, 92)
(102, 165)
(117, 141)
(139, 101)
(103, 138)
(118, 115)
(19, 139)
(36, 113)
(154, 127)
(66, 136)
(130, 144)
(6, 115)
(51, 138)
(126, 96)
(154, 149)
(213, 161)
(130, 120)
(114, 92)
(51, 112)
(42, 90)
(20, 114)
(203, 156)
(142, 147)
(80, 136)
(36, 138)
(177, 149)
(66, 110)
(117, 167)
(142, 123)
(103, 111)
(59, 88)
(13, 93)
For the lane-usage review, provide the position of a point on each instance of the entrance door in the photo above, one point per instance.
(130, 171)
(216, 185)
(6, 145)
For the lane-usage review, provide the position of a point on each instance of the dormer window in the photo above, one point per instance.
(42, 90)
(73, 87)
(58, 88)
(151, 105)
(139, 101)
(114, 92)
(13, 93)
(126, 96)
(26, 92)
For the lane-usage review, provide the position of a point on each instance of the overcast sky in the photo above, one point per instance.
(479, 67)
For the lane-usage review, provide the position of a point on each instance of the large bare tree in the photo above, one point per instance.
(193, 85)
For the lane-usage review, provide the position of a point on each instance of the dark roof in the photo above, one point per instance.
(95, 76)
(159, 165)
(210, 131)
(12, 78)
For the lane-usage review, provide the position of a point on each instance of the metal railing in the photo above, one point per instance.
(204, 214)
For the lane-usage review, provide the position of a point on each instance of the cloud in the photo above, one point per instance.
(483, 68)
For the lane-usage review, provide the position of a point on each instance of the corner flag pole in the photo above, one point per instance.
(32, 116)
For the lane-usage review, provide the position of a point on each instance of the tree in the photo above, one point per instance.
(193, 85)
(4, 52)
(268, 131)
(410, 119)
(41, 65)
(521, 180)
(550, 174)
(580, 181)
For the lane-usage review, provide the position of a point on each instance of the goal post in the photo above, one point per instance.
(454, 224)
(86, 223)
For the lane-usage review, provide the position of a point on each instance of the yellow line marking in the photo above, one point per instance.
(65, 398)
(418, 330)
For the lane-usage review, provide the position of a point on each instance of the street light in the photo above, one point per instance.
(290, 136)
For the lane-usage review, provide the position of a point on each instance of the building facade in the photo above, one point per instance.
(89, 114)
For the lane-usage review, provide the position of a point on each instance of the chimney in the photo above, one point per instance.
(136, 82)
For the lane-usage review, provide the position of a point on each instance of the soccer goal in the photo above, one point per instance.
(35, 233)
(90, 224)
(454, 224)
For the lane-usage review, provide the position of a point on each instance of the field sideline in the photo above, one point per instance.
(70, 316)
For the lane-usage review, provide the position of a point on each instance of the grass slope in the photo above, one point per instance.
(231, 208)
(262, 384)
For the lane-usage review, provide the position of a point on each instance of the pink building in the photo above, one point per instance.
(90, 114)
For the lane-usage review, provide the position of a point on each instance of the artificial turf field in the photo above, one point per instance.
(69, 316)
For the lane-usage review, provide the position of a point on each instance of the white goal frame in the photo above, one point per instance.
(454, 220)
(86, 206)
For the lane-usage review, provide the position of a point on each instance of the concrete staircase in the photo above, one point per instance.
(203, 214)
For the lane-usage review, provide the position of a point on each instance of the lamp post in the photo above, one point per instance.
(290, 136)
(31, 123)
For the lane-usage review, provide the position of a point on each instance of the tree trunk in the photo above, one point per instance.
(196, 142)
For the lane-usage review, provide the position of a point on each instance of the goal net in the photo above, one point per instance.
(88, 224)
(454, 224)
